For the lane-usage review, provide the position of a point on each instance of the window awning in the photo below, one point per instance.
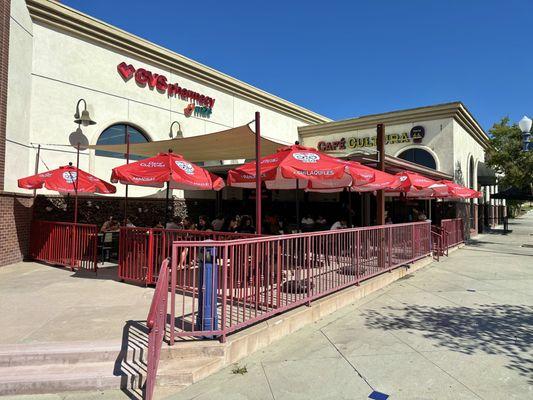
(230, 144)
(485, 175)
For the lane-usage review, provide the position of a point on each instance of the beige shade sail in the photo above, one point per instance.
(231, 144)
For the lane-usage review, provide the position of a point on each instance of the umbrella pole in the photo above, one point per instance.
(297, 205)
(258, 211)
(350, 224)
(37, 157)
(76, 184)
(127, 136)
(166, 204)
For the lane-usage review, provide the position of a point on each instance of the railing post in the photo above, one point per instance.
(412, 241)
(278, 274)
(150, 256)
(358, 256)
(308, 262)
(95, 249)
(389, 229)
(224, 292)
(173, 295)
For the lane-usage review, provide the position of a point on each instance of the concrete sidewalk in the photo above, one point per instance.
(458, 329)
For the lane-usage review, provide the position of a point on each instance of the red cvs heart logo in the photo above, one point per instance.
(126, 70)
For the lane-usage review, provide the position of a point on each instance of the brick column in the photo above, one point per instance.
(5, 7)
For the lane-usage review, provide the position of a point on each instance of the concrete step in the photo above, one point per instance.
(68, 367)
(184, 372)
(40, 379)
(59, 353)
(193, 349)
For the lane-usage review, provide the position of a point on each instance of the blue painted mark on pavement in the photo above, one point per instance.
(378, 396)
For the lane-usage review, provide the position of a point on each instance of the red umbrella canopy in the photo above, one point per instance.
(167, 167)
(418, 186)
(63, 180)
(382, 180)
(456, 190)
(299, 166)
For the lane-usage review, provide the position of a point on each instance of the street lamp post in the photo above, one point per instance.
(525, 127)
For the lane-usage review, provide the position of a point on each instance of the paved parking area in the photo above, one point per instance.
(458, 329)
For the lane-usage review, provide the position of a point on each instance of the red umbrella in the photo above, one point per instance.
(382, 180)
(456, 190)
(418, 186)
(67, 179)
(299, 167)
(168, 168)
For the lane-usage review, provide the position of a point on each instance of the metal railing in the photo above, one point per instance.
(439, 239)
(156, 322)
(222, 286)
(64, 243)
(455, 233)
(142, 250)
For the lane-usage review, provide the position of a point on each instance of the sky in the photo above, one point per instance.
(345, 59)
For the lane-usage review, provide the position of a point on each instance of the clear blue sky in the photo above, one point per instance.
(348, 58)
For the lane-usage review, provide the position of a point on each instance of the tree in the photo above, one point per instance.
(506, 157)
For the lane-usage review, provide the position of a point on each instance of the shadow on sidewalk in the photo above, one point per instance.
(505, 330)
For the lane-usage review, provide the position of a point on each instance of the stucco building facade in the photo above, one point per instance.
(54, 56)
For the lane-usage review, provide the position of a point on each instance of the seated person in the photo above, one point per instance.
(308, 223)
(321, 223)
(340, 224)
(203, 225)
(187, 224)
(246, 226)
(217, 223)
(174, 224)
(111, 225)
(422, 216)
(159, 225)
(128, 223)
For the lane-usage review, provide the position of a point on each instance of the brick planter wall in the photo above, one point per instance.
(15, 223)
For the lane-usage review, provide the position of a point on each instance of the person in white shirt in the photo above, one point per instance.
(174, 224)
(307, 223)
(340, 224)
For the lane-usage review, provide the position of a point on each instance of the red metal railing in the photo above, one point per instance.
(260, 277)
(65, 243)
(142, 250)
(454, 229)
(156, 322)
(438, 242)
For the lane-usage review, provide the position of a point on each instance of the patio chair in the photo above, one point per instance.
(105, 246)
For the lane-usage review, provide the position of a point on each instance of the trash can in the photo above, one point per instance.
(207, 317)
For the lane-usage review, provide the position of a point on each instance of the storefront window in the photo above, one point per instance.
(116, 134)
(420, 157)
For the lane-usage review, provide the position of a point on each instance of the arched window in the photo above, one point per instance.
(419, 156)
(116, 134)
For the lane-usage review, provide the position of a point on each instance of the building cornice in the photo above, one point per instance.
(63, 18)
(455, 110)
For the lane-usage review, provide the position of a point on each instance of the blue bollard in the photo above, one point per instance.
(207, 318)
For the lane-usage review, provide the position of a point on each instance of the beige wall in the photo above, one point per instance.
(438, 140)
(66, 68)
(464, 148)
(18, 157)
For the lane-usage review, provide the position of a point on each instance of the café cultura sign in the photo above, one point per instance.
(415, 136)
